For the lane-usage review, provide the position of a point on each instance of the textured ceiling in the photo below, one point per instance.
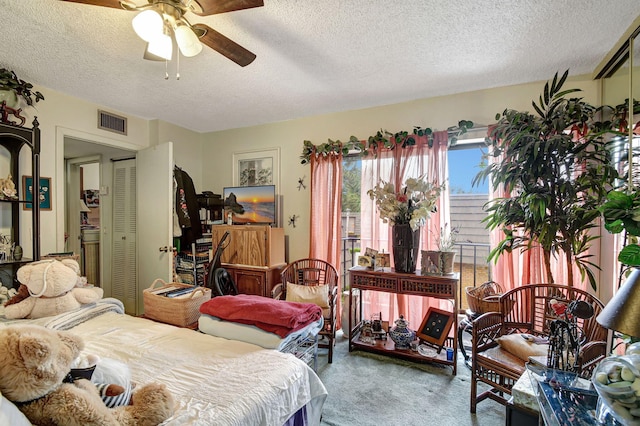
(313, 56)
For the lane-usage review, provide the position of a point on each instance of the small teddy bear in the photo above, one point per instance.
(54, 287)
(34, 363)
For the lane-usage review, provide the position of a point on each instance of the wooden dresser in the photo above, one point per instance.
(254, 256)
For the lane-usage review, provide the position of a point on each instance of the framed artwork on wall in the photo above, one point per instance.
(44, 193)
(435, 326)
(254, 168)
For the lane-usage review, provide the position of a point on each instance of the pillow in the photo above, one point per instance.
(517, 345)
(318, 294)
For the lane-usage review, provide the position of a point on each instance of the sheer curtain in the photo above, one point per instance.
(326, 212)
(396, 166)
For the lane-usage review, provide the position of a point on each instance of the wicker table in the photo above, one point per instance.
(439, 287)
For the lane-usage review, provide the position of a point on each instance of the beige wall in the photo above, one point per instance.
(208, 157)
(60, 116)
(437, 113)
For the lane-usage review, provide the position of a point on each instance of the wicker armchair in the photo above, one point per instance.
(526, 309)
(314, 272)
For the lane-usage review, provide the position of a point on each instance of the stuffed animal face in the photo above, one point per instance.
(34, 360)
(49, 278)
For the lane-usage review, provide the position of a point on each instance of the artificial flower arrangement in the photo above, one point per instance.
(412, 204)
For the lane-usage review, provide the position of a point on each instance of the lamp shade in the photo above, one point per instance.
(161, 46)
(187, 41)
(622, 313)
(148, 24)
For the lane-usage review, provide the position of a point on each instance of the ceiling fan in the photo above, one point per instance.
(157, 20)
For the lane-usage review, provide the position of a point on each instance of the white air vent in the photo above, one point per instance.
(111, 122)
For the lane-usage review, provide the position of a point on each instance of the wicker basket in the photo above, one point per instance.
(484, 298)
(182, 311)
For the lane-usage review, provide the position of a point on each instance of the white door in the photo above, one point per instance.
(154, 170)
(73, 207)
(123, 266)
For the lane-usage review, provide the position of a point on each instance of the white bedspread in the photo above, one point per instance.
(214, 381)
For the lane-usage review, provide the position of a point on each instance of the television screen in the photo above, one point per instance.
(251, 204)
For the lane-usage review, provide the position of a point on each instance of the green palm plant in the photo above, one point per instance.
(556, 181)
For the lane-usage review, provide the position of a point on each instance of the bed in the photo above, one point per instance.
(214, 381)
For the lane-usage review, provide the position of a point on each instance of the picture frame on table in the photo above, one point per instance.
(435, 327)
(257, 167)
(44, 192)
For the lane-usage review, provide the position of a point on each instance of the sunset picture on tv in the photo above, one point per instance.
(251, 204)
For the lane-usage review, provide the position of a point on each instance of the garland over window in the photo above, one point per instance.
(383, 139)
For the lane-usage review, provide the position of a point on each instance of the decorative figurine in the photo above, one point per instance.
(8, 188)
(301, 184)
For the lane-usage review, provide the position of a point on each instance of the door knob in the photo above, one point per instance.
(166, 249)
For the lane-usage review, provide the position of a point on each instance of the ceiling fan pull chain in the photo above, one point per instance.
(178, 65)
(166, 69)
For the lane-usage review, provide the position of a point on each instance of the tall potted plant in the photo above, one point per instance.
(621, 212)
(555, 164)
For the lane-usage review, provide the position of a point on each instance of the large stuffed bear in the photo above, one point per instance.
(54, 287)
(34, 362)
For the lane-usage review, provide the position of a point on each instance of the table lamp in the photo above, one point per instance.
(622, 313)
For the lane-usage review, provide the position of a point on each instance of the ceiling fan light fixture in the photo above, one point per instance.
(148, 24)
(187, 41)
(161, 46)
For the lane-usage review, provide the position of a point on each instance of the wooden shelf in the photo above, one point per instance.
(12, 141)
(387, 347)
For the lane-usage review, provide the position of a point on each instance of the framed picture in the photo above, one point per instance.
(435, 327)
(91, 197)
(253, 168)
(44, 193)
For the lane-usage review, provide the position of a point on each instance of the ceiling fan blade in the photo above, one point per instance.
(224, 45)
(105, 3)
(212, 7)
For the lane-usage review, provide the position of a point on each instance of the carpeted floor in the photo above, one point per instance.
(370, 389)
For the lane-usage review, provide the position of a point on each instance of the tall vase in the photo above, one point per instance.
(406, 244)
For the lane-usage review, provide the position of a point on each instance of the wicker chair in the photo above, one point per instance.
(526, 309)
(314, 272)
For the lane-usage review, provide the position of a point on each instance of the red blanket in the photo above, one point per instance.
(275, 316)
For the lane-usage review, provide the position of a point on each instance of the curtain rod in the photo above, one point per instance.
(473, 129)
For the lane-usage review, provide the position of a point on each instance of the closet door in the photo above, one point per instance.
(124, 267)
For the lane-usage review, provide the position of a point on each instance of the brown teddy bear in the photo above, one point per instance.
(54, 287)
(34, 362)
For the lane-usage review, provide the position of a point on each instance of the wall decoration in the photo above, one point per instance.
(292, 220)
(435, 327)
(45, 192)
(252, 168)
(91, 197)
(301, 184)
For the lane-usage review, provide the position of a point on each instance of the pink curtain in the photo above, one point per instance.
(326, 211)
(526, 267)
(397, 166)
